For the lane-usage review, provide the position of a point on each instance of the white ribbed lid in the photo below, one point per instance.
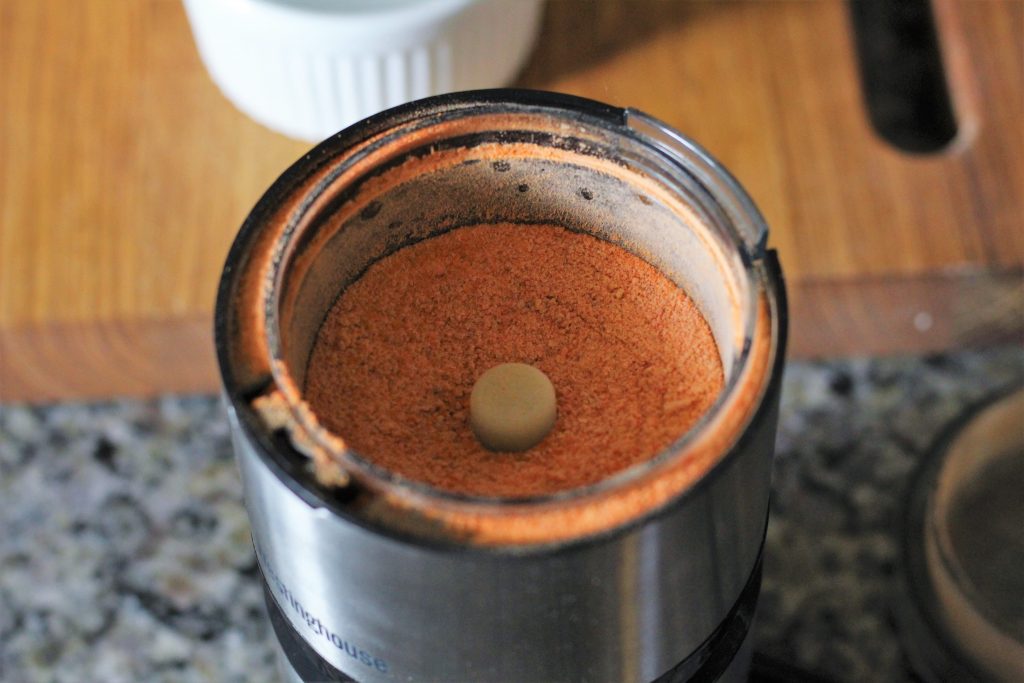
(308, 68)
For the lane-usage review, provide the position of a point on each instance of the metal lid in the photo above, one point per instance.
(961, 615)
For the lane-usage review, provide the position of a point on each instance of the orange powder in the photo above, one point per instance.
(633, 362)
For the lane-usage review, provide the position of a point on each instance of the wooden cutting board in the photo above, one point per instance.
(124, 175)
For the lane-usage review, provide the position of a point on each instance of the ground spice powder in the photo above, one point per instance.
(633, 361)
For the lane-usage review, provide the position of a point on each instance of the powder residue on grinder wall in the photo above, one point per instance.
(631, 359)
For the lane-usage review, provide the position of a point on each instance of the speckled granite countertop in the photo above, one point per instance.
(125, 552)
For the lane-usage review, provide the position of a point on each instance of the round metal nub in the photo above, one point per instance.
(512, 407)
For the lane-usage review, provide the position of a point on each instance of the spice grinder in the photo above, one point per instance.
(650, 574)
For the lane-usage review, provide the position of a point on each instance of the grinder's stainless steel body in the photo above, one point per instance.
(668, 592)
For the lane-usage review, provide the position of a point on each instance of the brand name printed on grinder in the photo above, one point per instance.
(317, 626)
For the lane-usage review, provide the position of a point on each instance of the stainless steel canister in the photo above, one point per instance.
(649, 575)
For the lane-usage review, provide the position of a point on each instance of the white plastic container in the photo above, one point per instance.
(308, 68)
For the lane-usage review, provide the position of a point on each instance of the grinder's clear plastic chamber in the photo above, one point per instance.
(616, 174)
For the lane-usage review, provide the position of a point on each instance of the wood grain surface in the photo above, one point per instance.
(124, 175)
